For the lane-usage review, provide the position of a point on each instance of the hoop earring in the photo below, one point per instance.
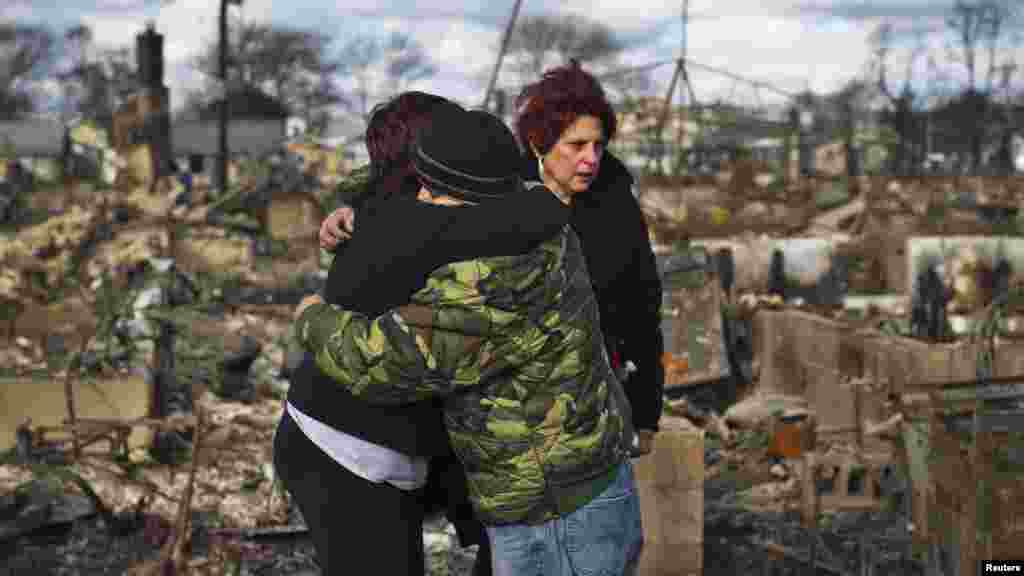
(540, 161)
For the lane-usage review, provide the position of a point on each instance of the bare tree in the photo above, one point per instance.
(406, 61)
(902, 113)
(967, 22)
(26, 51)
(984, 25)
(358, 57)
(850, 106)
(382, 67)
(77, 40)
(981, 27)
(291, 64)
(93, 86)
(538, 41)
(541, 41)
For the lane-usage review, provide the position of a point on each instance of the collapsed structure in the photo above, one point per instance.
(886, 337)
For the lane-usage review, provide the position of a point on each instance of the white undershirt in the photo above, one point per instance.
(369, 461)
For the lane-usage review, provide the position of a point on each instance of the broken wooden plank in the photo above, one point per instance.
(791, 554)
(259, 533)
(1010, 382)
(678, 390)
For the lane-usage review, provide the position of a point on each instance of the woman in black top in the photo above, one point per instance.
(564, 125)
(360, 526)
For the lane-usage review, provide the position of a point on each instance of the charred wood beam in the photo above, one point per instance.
(788, 553)
(972, 383)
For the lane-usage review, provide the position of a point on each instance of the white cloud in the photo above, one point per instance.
(762, 42)
(624, 16)
(466, 47)
(190, 25)
(120, 4)
(50, 89)
(462, 51)
(114, 32)
(16, 11)
(791, 43)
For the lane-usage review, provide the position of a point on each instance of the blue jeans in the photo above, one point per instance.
(603, 538)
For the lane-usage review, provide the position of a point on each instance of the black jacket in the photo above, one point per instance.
(399, 242)
(624, 272)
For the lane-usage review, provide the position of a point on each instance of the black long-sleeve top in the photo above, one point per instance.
(624, 272)
(400, 241)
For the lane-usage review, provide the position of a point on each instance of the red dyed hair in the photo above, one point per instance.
(390, 134)
(549, 106)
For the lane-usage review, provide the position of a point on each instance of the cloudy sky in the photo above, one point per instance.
(793, 44)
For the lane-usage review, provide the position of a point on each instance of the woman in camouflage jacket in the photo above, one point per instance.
(514, 347)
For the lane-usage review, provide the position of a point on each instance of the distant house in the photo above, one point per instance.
(37, 144)
(257, 127)
(343, 131)
(255, 137)
(33, 138)
(248, 103)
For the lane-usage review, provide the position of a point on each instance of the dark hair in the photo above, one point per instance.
(550, 105)
(390, 134)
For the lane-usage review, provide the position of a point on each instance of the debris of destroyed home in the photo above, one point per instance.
(139, 305)
(842, 357)
(860, 318)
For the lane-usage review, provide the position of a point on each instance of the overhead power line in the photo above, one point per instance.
(712, 69)
(756, 83)
(635, 69)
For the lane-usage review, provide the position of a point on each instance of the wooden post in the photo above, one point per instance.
(69, 398)
(670, 482)
(809, 488)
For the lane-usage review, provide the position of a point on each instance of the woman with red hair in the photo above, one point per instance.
(564, 125)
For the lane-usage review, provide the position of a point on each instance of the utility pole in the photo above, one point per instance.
(665, 110)
(667, 107)
(223, 107)
(222, 149)
(684, 115)
(501, 53)
(686, 21)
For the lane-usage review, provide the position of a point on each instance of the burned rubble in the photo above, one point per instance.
(113, 291)
(817, 354)
(865, 338)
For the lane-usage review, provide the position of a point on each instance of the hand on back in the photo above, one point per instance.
(338, 226)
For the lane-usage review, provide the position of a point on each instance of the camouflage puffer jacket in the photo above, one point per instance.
(514, 346)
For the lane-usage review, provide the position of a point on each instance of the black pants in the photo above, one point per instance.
(447, 490)
(358, 527)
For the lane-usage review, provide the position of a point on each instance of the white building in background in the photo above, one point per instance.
(1018, 152)
(343, 132)
(295, 127)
